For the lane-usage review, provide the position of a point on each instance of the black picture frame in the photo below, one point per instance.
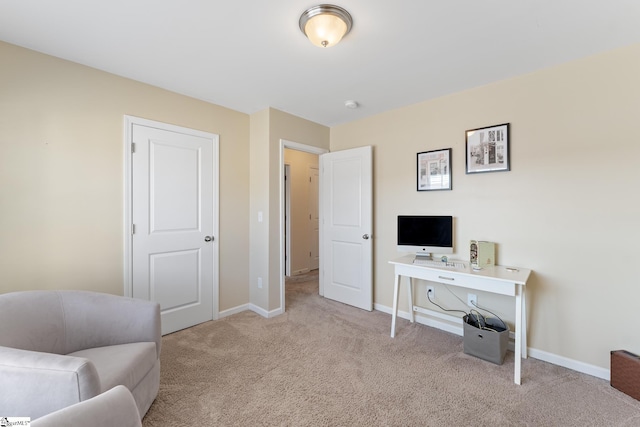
(487, 149)
(434, 170)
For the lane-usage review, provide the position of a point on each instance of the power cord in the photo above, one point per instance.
(458, 298)
(477, 315)
(481, 320)
(489, 311)
(442, 308)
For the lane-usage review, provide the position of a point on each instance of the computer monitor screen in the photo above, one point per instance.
(425, 235)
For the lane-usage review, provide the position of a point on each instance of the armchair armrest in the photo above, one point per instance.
(35, 383)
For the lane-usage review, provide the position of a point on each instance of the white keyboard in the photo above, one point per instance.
(439, 264)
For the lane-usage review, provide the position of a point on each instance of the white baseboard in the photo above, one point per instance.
(264, 313)
(450, 324)
(259, 310)
(252, 307)
(572, 364)
(234, 310)
(274, 313)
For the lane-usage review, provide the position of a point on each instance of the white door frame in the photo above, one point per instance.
(311, 233)
(307, 149)
(129, 121)
(287, 222)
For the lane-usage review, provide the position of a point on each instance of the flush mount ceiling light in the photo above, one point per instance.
(325, 24)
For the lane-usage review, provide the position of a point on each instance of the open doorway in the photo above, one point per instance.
(302, 219)
(300, 206)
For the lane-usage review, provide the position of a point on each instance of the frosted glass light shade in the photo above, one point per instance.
(325, 30)
(325, 25)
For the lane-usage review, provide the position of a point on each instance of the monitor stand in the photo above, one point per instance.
(423, 255)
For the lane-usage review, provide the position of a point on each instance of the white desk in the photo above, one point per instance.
(496, 279)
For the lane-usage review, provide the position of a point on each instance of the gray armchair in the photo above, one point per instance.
(58, 348)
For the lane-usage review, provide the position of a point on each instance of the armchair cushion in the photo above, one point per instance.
(125, 364)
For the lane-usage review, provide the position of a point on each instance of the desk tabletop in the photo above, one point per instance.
(498, 272)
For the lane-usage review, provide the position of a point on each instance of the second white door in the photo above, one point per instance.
(347, 187)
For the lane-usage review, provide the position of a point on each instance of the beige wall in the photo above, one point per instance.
(294, 129)
(259, 202)
(569, 209)
(301, 237)
(268, 129)
(61, 169)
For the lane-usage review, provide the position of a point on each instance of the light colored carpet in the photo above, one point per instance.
(323, 363)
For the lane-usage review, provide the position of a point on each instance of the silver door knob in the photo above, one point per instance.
(365, 237)
(208, 238)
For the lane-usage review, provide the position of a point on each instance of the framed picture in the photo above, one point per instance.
(434, 170)
(488, 149)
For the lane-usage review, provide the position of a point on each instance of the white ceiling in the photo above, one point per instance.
(248, 55)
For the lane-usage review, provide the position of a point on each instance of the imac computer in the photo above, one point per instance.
(424, 235)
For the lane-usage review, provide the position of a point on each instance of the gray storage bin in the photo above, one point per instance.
(484, 343)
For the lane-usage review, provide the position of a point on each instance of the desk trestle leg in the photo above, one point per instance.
(394, 314)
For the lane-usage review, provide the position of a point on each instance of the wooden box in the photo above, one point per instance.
(625, 372)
